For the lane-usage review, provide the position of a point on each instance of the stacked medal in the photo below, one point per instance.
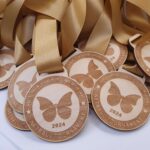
(57, 68)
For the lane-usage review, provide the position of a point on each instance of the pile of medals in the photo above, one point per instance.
(55, 106)
(59, 58)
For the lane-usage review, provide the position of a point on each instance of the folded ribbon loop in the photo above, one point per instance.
(62, 26)
(45, 45)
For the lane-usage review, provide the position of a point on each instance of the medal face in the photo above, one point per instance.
(7, 67)
(56, 108)
(22, 80)
(142, 55)
(116, 53)
(87, 67)
(121, 101)
(17, 120)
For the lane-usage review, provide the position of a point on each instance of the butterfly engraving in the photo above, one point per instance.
(87, 79)
(110, 51)
(5, 68)
(25, 86)
(127, 103)
(147, 59)
(50, 110)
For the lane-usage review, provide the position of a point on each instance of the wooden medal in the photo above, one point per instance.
(22, 80)
(121, 101)
(87, 67)
(16, 120)
(142, 55)
(56, 108)
(116, 53)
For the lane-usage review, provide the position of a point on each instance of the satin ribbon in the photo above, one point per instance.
(62, 25)
(121, 31)
(93, 12)
(72, 25)
(45, 44)
(133, 69)
(8, 23)
(23, 36)
(53, 8)
(3, 4)
(136, 17)
(101, 35)
(143, 4)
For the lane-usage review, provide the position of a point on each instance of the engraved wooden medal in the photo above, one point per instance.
(116, 53)
(17, 120)
(121, 101)
(24, 77)
(142, 55)
(87, 67)
(56, 108)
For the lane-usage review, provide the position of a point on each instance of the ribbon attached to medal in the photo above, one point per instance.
(51, 30)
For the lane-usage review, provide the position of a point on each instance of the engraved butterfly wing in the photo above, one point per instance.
(110, 51)
(128, 102)
(93, 70)
(147, 59)
(85, 79)
(48, 109)
(115, 96)
(63, 106)
(25, 86)
(34, 79)
(4, 69)
(8, 66)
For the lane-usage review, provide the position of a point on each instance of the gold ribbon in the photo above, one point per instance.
(101, 34)
(23, 36)
(63, 25)
(93, 11)
(8, 23)
(45, 44)
(71, 25)
(53, 8)
(143, 4)
(121, 31)
(136, 17)
(3, 4)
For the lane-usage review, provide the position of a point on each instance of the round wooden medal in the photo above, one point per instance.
(142, 55)
(87, 67)
(22, 80)
(121, 101)
(56, 108)
(7, 67)
(16, 120)
(116, 53)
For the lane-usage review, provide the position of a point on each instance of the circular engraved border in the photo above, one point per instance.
(75, 128)
(123, 54)
(120, 125)
(93, 55)
(13, 120)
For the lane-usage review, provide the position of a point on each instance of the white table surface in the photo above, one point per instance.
(95, 136)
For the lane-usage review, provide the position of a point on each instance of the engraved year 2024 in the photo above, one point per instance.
(115, 112)
(58, 125)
